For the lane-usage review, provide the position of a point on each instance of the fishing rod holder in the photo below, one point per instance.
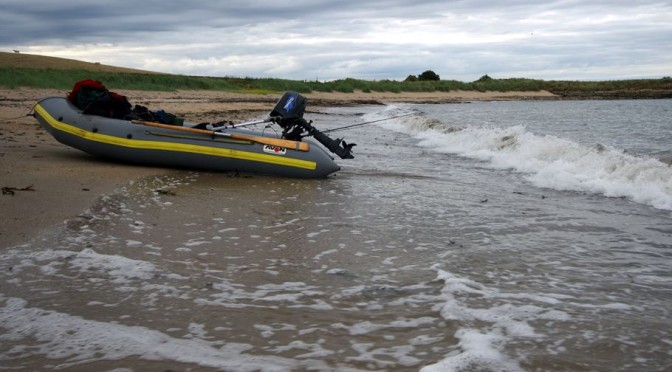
(288, 114)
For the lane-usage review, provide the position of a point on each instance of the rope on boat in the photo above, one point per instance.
(16, 118)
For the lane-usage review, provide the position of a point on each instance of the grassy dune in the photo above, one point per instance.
(25, 70)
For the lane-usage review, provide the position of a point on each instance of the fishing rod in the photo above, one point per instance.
(368, 122)
(245, 124)
(268, 120)
(288, 113)
(337, 146)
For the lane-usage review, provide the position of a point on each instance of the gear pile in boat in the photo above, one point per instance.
(95, 99)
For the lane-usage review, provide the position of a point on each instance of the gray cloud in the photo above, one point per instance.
(304, 39)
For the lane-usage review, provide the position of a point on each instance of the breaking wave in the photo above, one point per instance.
(549, 161)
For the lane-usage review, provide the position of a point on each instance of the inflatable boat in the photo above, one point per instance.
(300, 151)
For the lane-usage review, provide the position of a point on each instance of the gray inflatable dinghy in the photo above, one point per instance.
(224, 148)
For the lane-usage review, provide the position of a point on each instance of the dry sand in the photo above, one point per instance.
(45, 183)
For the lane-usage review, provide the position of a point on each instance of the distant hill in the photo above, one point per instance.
(23, 60)
(30, 70)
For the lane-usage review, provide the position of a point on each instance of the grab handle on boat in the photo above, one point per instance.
(294, 145)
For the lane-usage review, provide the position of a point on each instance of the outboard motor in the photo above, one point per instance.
(288, 113)
(290, 107)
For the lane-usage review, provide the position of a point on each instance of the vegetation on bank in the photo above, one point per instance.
(15, 77)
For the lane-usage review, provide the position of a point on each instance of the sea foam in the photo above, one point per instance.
(549, 161)
(77, 341)
(483, 348)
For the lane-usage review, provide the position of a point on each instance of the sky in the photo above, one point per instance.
(372, 40)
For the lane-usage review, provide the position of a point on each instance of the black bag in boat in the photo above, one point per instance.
(93, 98)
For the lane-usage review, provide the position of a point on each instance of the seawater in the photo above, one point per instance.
(498, 236)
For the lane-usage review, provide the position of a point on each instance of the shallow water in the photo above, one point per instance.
(484, 236)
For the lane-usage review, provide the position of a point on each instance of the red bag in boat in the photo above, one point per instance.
(93, 98)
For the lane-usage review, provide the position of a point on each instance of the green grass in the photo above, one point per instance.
(15, 77)
(64, 79)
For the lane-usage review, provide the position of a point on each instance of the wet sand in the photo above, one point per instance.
(45, 183)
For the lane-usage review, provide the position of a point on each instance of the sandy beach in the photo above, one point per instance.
(45, 183)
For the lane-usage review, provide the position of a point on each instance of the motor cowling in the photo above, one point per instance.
(289, 109)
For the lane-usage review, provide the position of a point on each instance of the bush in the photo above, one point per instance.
(429, 75)
(484, 79)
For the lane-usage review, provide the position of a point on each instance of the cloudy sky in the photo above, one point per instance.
(377, 39)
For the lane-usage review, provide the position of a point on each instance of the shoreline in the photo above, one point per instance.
(45, 183)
